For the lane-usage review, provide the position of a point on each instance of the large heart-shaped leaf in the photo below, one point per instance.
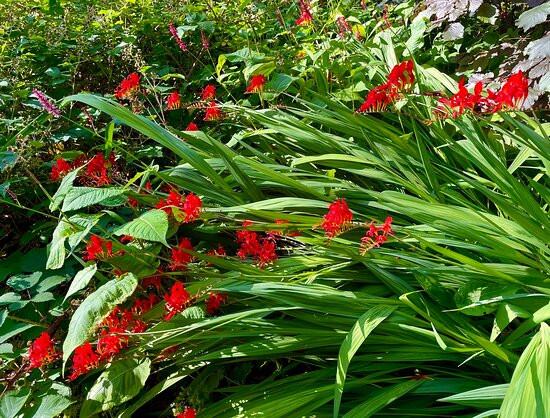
(151, 226)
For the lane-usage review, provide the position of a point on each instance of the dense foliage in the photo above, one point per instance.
(283, 208)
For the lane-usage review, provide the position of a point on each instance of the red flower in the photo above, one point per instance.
(376, 236)
(192, 207)
(513, 93)
(337, 217)
(213, 302)
(256, 84)
(109, 345)
(216, 252)
(174, 101)
(97, 169)
(128, 87)
(42, 351)
(459, 102)
(84, 360)
(188, 412)
(98, 247)
(208, 93)
(401, 76)
(191, 127)
(177, 300)
(60, 168)
(213, 112)
(377, 100)
(175, 35)
(305, 17)
(344, 26)
(153, 281)
(180, 258)
(143, 305)
(262, 250)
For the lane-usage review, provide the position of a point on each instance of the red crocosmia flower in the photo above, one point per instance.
(42, 351)
(208, 93)
(262, 249)
(153, 281)
(139, 327)
(175, 35)
(256, 84)
(177, 300)
(192, 207)
(173, 200)
(513, 93)
(143, 305)
(377, 100)
(61, 167)
(217, 252)
(97, 169)
(126, 238)
(109, 345)
(401, 76)
(192, 127)
(337, 217)
(213, 112)
(305, 18)
(459, 102)
(376, 235)
(94, 248)
(188, 412)
(128, 87)
(213, 302)
(180, 258)
(174, 101)
(85, 359)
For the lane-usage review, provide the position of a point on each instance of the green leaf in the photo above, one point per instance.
(81, 280)
(24, 281)
(486, 397)
(81, 197)
(381, 398)
(52, 402)
(122, 380)
(354, 339)
(13, 401)
(534, 16)
(527, 395)
(150, 226)
(94, 309)
(56, 256)
(279, 82)
(64, 188)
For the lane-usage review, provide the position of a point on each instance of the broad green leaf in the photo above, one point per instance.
(534, 16)
(279, 82)
(151, 226)
(64, 188)
(13, 401)
(56, 256)
(52, 402)
(120, 382)
(81, 280)
(94, 309)
(82, 197)
(354, 339)
(527, 395)
(24, 281)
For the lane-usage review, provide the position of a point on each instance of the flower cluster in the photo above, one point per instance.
(192, 127)
(208, 93)
(279, 233)
(174, 32)
(42, 351)
(60, 169)
(343, 26)
(256, 84)
(97, 169)
(213, 112)
(98, 247)
(337, 218)
(180, 258)
(46, 103)
(191, 206)
(213, 302)
(376, 235)
(305, 18)
(401, 78)
(262, 249)
(511, 96)
(111, 337)
(174, 101)
(128, 87)
(188, 412)
(177, 300)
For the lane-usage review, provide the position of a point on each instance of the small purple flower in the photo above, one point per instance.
(46, 103)
(363, 4)
(174, 33)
